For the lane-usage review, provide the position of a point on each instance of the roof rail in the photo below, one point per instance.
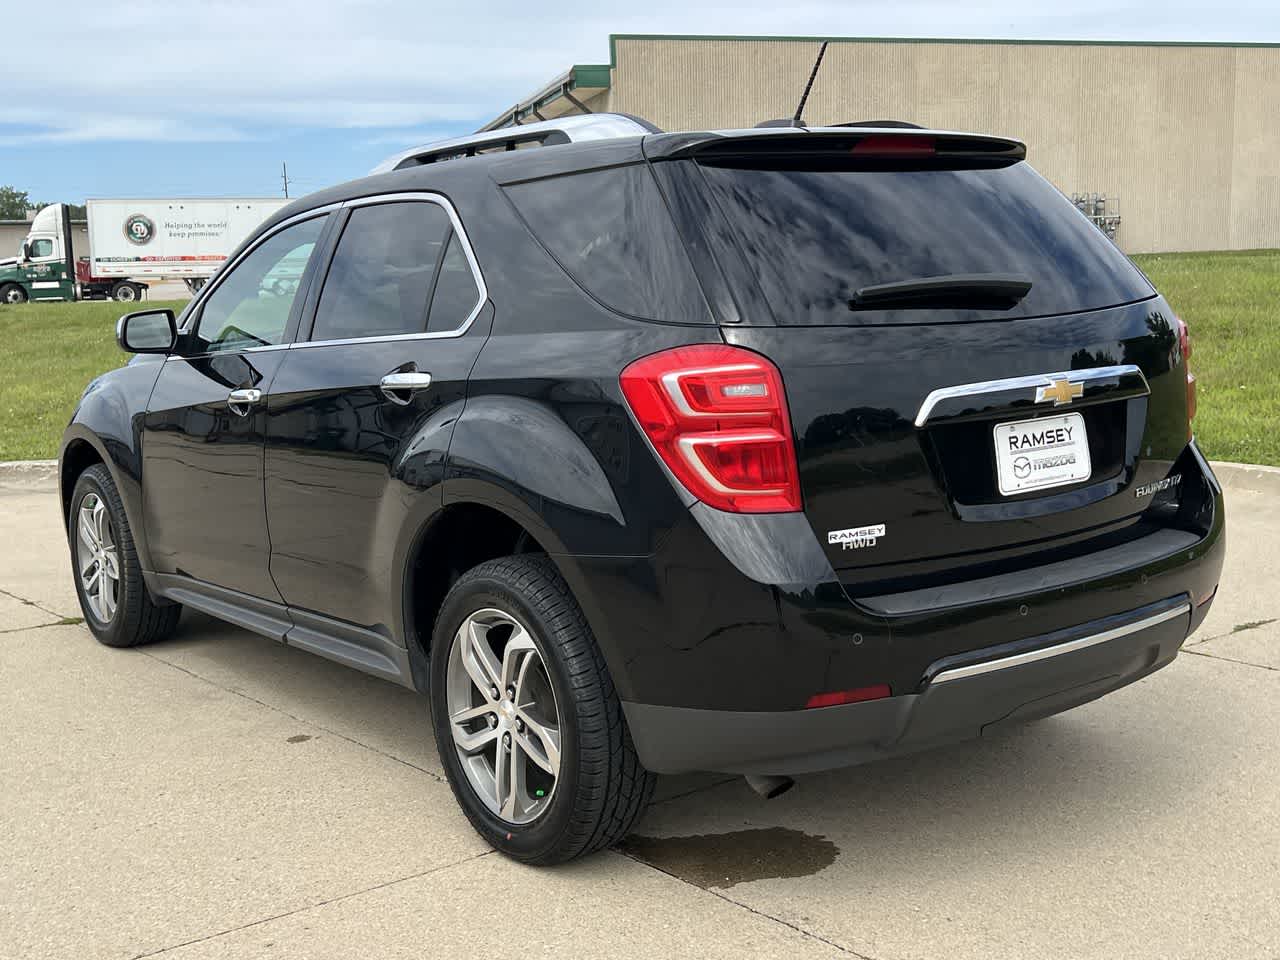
(577, 128)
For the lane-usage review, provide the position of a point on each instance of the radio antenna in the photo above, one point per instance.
(804, 97)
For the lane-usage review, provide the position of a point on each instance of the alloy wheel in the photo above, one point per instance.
(98, 559)
(503, 716)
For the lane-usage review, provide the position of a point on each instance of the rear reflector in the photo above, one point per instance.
(894, 145)
(836, 697)
(717, 416)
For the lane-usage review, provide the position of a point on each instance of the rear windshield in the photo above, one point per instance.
(814, 237)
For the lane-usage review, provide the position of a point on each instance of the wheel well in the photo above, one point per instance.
(76, 459)
(460, 537)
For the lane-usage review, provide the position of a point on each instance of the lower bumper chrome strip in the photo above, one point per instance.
(1031, 656)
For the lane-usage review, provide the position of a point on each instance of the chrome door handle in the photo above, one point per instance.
(240, 402)
(400, 387)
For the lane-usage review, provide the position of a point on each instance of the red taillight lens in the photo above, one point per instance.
(836, 697)
(717, 415)
(1184, 348)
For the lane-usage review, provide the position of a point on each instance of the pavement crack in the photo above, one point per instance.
(750, 909)
(30, 603)
(61, 622)
(1246, 663)
(310, 722)
(311, 906)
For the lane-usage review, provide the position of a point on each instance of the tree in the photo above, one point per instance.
(14, 203)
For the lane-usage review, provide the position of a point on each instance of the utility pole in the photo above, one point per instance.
(284, 177)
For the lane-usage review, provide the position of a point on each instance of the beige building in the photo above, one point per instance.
(1183, 139)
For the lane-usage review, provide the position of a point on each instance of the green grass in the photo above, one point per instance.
(48, 354)
(1231, 301)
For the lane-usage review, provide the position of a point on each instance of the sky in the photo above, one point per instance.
(210, 97)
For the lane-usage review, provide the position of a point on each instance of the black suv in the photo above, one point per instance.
(759, 451)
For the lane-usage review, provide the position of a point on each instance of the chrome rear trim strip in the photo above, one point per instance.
(1071, 646)
(1025, 383)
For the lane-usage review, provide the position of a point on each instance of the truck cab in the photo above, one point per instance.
(46, 266)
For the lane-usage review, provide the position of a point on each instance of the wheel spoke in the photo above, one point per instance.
(516, 659)
(544, 746)
(510, 779)
(100, 520)
(87, 560)
(478, 658)
(87, 528)
(473, 743)
(111, 560)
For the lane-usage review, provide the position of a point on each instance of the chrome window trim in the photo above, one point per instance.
(1071, 646)
(421, 196)
(1018, 383)
(198, 301)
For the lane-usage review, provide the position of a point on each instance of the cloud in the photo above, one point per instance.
(233, 69)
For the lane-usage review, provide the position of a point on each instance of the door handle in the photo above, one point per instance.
(240, 402)
(400, 387)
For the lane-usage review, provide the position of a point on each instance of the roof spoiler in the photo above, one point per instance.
(867, 140)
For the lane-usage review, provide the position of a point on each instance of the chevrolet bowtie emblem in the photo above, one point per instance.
(1061, 392)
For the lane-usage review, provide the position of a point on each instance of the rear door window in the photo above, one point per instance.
(814, 235)
(398, 270)
(611, 232)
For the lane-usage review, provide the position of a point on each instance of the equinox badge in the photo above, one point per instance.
(1061, 392)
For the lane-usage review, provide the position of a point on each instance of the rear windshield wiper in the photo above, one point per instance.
(983, 291)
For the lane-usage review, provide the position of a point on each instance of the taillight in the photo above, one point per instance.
(717, 415)
(1184, 348)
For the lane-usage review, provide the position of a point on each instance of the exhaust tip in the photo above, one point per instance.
(770, 786)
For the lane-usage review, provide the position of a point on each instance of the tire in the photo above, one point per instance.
(601, 789)
(13, 294)
(125, 293)
(133, 618)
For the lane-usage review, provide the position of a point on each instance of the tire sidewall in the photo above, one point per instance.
(91, 483)
(522, 841)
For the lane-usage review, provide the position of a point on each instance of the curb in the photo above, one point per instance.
(28, 473)
(1247, 476)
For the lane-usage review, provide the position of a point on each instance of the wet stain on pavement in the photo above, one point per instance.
(298, 738)
(724, 859)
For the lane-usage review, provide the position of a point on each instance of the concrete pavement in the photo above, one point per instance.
(222, 796)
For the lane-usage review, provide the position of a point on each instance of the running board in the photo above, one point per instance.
(345, 643)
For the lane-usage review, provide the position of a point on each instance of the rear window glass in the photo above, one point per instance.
(814, 237)
(610, 231)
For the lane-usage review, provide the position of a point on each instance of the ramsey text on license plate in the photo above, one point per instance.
(1045, 452)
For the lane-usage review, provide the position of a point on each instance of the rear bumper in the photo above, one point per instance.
(961, 697)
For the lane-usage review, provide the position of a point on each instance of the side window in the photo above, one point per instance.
(456, 292)
(43, 247)
(390, 258)
(250, 306)
(610, 231)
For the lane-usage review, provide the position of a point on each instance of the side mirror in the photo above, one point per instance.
(26, 250)
(147, 331)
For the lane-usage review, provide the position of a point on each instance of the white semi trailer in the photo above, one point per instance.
(130, 241)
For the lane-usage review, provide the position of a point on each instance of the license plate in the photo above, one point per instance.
(1041, 453)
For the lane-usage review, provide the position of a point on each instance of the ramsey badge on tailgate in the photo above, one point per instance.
(855, 538)
(1040, 453)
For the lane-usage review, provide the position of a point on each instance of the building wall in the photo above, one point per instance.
(13, 232)
(1187, 138)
